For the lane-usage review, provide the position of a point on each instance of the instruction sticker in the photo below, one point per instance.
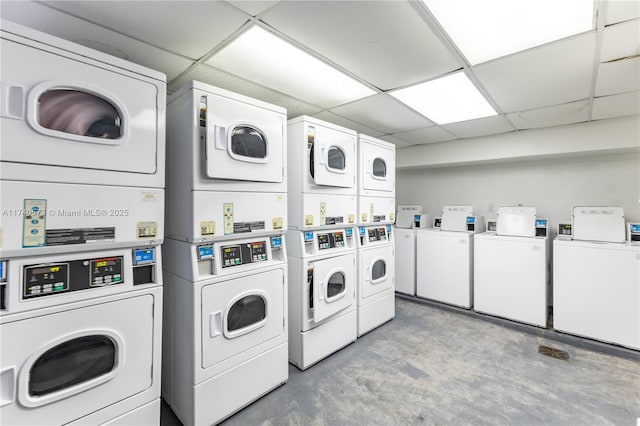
(311, 136)
(308, 220)
(146, 230)
(363, 217)
(228, 218)
(34, 223)
(207, 228)
(351, 218)
(323, 213)
(392, 217)
(277, 222)
(372, 209)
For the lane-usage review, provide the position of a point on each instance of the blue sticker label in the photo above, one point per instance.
(635, 227)
(308, 236)
(349, 232)
(205, 252)
(363, 231)
(471, 219)
(276, 242)
(541, 223)
(142, 256)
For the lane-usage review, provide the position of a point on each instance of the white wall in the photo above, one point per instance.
(553, 186)
(552, 169)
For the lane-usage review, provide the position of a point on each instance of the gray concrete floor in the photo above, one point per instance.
(436, 365)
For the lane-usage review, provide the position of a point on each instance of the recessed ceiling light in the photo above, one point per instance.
(490, 29)
(260, 56)
(446, 100)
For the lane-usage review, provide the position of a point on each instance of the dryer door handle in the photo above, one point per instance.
(215, 324)
(219, 136)
(7, 386)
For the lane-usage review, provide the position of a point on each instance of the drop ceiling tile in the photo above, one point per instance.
(621, 10)
(618, 77)
(341, 121)
(45, 19)
(384, 113)
(253, 8)
(569, 113)
(479, 127)
(552, 74)
(620, 41)
(189, 28)
(399, 143)
(219, 78)
(616, 106)
(424, 136)
(387, 43)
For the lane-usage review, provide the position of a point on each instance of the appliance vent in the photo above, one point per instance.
(553, 352)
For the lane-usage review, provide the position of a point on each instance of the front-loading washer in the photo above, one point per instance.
(83, 147)
(322, 294)
(225, 328)
(376, 276)
(322, 174)
(81, 338)
(226, 165)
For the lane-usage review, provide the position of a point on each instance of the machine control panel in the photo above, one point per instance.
(331, 240)
(542, 227)
(437, 222)
(243, 254)
(61, 277)
(634, 232)
(471, 223)
(377, 234)
(565, 229)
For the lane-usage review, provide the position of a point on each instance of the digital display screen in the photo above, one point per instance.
(231, 255)
(373, 235)
(541, 223)
(49, 279)
(471, 219)
(635, 227)
(106, 271)
(2, 265)
(323, 241)
(308, 236)
(349, 232)
(416, 217)
(338, 238)
(564, 229)
(276, 242)
(205, 252)
(389, 227)
(144, 256)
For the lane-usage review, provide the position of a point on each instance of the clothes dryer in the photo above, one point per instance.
(82, 164)
(81, 338)
(225, 331)
(226, 173)
(376, 181)
(444, 257)
(322, 294)
(322, 174)
(376, 276)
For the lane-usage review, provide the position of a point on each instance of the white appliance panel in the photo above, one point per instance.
(377, 167)
(444, 270)
(313, 210)
(334, 158)
(606, 224)
(516, 221)
(405, 268)
(372, 210)
(241, 313)
(243, 141)
(511, 277)
(377, 266)
(596, 291)
(333, 281)
(91, 92)
(131, 333)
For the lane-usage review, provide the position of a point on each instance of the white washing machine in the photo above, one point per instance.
(405, 241)
(322, 293)
(511, 268)
(376, 276)
(83, 145)
(81, 338)
(596, 283)
(225, 332)
(444, 257)
(226, 167)
(376, 181)
(322, 174)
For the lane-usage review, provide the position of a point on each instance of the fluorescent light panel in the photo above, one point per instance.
(490, 29)
(259, 56)
(446, 100)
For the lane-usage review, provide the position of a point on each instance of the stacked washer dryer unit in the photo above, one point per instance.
(82, 194)
(376, 236)
(444, 257)
(225, 335)
(406, 219)
(596, 278)
(511, 267)
(320, 239)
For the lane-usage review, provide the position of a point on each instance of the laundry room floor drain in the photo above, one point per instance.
(553, 352)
